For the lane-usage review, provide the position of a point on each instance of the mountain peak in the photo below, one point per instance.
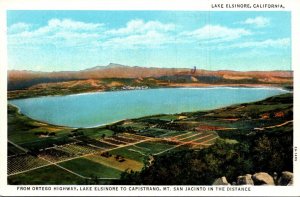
(115, 65)
(110, 65)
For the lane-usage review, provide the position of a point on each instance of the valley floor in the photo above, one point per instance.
(39, 153)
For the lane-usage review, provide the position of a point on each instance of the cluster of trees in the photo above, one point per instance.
(34, 147)
(174, 126)
(263, 152)
(75, 133)
(119, 129)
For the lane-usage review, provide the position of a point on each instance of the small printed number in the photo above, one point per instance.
(295, 153)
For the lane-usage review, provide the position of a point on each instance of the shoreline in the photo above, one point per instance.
(19, 111)
(102, 125)
(285, 91)
(184, 86)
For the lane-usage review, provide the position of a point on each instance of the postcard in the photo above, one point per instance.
(142, 98)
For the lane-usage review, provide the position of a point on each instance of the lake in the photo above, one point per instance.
(93, 109)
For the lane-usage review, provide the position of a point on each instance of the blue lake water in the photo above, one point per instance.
(93, 109)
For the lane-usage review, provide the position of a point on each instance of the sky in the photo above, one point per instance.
(63, 40)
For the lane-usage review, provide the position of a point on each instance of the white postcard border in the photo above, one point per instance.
(292, 5)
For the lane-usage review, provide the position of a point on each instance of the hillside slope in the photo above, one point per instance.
(18, 80)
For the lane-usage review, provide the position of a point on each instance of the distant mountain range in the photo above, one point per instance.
(111, 65)
(23, 79)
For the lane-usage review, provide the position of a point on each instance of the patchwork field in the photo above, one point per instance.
(39, 153)
(87, 168)
(102, 157)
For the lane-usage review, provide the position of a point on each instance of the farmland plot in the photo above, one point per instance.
(88, 168)
(154, 147)
(55, 155)
(102, 144)
(208, 140)
(78, 148)
(116, 162)
(113, 141)
(23, 163)
(126, 153)
(134, 136)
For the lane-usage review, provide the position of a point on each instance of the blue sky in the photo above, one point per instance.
(76, 40)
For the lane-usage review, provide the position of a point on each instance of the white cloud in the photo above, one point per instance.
(269, 43)
(274, 43)
(138, 34)
(70, 33)
(57, 25)
(139, 26)
(258, 21)
(135, 34)
(73, 25)
(18, 27)
(150, 39)
(61, 33)
(217, 33)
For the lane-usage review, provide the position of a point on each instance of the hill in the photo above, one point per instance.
(23, 79)
(22, 84)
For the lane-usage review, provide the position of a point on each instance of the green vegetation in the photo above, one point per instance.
(50, 175)
(230, 141)
(266, 153)
(95, 132)
(167, 117)
(90, 169)
(75, 86)
(156, 132)
(186, 148)
(258, 142)
(13, 150)
(45, 84)
(24, 130)
(154, 147)
(125, 152)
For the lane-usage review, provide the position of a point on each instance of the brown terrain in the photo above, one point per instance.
(115, 76)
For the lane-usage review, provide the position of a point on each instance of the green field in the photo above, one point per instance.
(157, 132)
(96, 132)
(154, 147)
(166, 117)
(186, 135)
(125, 152)
(22, 130)
(171, 133)
(135, 142)
(13, 150)
(90, 169)
(50, 175)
